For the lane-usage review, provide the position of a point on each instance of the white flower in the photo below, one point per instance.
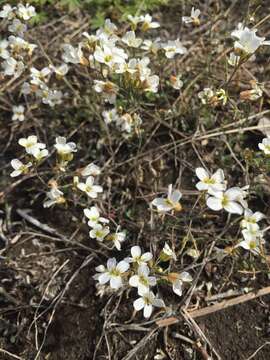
(4, 54)
(19, 167)
(167, 250)
(26, 88)
(109, 28)
(193, 18)
(89, 188)
(110, 55)
(177, 281)
(126, 67)
(251, 219)
(141, 65)
(12, 67)
(170, 203)
(138, 257)
(107, 89)
(30, 48)
(91, 170)
(151, 46)
(252, 241)
(110, 116)
(61, 70)
(31, 144)
(146, 302)
(48, 96)
(242, 195)
(131, 40)
(142, 280)
(117, 238)
(151, 83)
(55, 197)
(40, 154)
(265, 145)
(128, 123)
(113, 273)
(72, 55)
(91, 40)
(226, 200)
(248, 42)
(176, 82)
(253, 94)
(17, 27)
(173, 47)
(99, 232)
(18, 113)
(64, 148)
(94, 217)
(7, 12)
(206, 95)
(147, 22)
(54, 98)
(38, 77)
(17, 44)
(26, 12)
(215, 182)
(134, 20)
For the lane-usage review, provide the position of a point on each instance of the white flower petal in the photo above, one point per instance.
(146, 257)
(104, 278)
(201, 186)
(201, 173)
(135, 251)
(175, 196)
(138, 304)
(158, 302)
(122, 266)
(177, 287)
(233, 208)
(111, 263)
(218, 176)
(134, 281)
(147, 311)
(214, 203)
(115, 282)
(185, 276)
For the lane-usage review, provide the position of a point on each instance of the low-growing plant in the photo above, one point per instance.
(130, 82)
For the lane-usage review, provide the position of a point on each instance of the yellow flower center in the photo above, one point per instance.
(225, 201)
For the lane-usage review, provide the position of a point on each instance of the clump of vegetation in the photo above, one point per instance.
(105, 121)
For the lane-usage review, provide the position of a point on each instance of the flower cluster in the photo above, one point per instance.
(121, 64)
(233, 201)
(15, 50)
(253, 236)
(124, 61)
(140, 271)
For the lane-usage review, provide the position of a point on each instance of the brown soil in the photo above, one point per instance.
(237, 332)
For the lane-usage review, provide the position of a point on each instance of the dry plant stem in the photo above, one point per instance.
(256, 352)
(194, 326)
(201, 136)
(228, 303)
(13, 356)
(59, 237)
(24, 213)
(216, 307)
(140, 344)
